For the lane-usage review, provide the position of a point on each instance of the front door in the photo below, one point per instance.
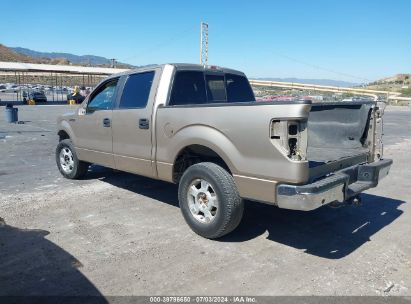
(93, 129)
(132, 125)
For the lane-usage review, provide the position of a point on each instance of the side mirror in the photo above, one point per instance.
(82, 111)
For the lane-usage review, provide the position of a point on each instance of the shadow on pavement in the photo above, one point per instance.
(325, 232)
(21, 103)
(155, 189)
(31, 265)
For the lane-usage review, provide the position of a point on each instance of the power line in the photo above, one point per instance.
(317, 67)
(311, 65)
(204, 53)
(173, 39)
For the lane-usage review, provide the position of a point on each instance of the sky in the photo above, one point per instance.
(356, 41)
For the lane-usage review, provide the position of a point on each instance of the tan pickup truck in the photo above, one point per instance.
(201, 127)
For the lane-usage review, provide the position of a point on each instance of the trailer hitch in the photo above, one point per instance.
(355, 201)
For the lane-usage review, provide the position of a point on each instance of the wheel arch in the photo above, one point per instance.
(62, 134)
(65, 132)
(196, 153)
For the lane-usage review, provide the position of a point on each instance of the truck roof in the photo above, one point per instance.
(182, 66)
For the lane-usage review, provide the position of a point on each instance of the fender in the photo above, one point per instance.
(63, 125)
(172, 143)
(208, 137)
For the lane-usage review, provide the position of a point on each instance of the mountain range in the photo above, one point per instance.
(19, 54)
(75, 59)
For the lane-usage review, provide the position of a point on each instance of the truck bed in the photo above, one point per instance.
(324, 155)
(336, 135)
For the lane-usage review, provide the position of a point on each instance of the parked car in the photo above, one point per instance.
(37, 96)
(201, 128)
(9, 88)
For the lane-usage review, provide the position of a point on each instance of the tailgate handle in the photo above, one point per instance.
(143, 123)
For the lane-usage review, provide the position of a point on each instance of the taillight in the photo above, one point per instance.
(290, 137)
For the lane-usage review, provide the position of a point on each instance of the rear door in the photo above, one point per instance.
(132, 124)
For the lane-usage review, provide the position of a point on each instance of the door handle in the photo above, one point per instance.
(143, 123)
(106, 122)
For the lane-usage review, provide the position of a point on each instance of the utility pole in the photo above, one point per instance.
(204, 44)
(113, 62)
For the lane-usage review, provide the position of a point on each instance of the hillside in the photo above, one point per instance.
(397, 83)
(71, 58)
(30, 56)
(84, 59)
(6, 54)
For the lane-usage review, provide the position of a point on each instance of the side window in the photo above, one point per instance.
(103, 98)
(238, 89)
(188, 88)
(215, 88)
(136, 90)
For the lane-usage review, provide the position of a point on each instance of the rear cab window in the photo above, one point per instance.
(188, 88)
(202, 88)
(136, 90)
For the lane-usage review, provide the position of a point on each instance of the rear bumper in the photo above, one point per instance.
(339, 187)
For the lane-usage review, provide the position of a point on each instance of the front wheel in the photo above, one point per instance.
(67, 162)
(209, 200)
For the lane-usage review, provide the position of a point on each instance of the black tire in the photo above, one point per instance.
(79, 168)
(230, 208)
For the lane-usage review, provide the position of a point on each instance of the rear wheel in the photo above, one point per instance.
(209, 200)
(67, 162)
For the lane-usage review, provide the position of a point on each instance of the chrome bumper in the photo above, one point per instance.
(339, 187)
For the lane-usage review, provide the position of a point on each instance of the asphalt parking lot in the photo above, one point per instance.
(115, 233)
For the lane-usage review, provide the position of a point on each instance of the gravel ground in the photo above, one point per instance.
(120, 234)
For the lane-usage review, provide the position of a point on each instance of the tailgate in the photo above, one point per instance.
(337, 133)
